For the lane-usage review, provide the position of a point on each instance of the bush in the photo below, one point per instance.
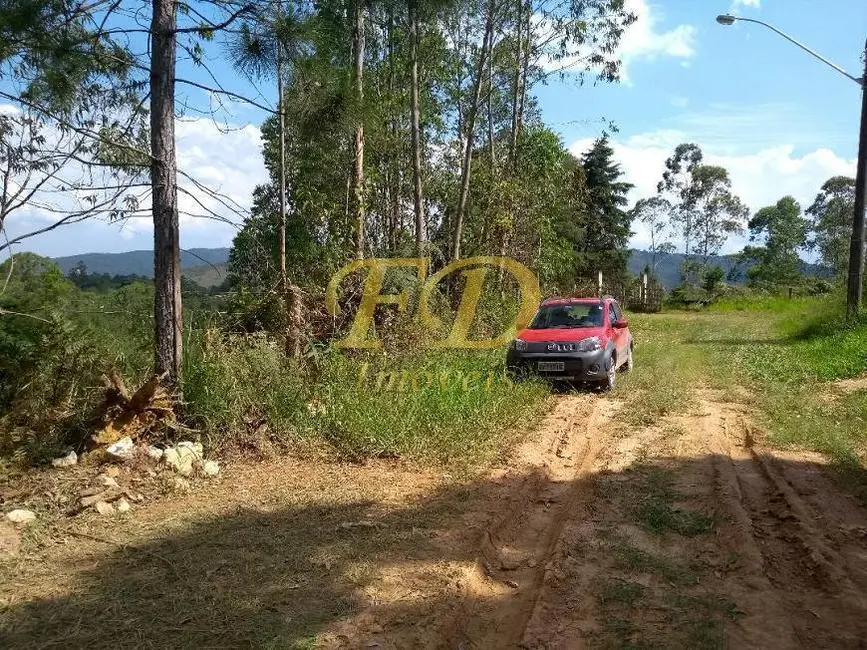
(55, 342)
(237, 389)
(52, 398)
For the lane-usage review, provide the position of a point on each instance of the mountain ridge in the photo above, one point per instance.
(207, 266)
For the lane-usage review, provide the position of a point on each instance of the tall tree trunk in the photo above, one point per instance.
(470, 125)
(168, 324)
(417, 197)
(290, 334)
(358, 167)
(492, 153)
(525, 66)
(392, 171)
(281, 219)
(516, 82)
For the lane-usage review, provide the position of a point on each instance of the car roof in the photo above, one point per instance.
(567, 301)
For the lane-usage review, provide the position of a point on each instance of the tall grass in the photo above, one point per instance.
(239, 391)
(444, 407)
(238, 388)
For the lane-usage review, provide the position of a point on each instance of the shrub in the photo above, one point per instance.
(237, 388)
(52, 397)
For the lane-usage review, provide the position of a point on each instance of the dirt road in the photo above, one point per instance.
(684, 534)
(596, 533)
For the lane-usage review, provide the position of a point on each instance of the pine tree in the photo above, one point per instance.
(604, 223)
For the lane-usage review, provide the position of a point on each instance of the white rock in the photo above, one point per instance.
(122, 505)
(68, 460)
(181, 459)
(122, 450)
(211, 468)
(103, 508)
(196, 447)
(154, 452)
(21, 516)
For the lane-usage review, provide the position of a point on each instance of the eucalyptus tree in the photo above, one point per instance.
(267, 44)
(719, 212)
(831, 216)
(655, 213)
(675, 185)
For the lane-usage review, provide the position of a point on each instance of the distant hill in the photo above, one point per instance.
(206, 275)
(668, 267)
(196, 265)
(140, 262)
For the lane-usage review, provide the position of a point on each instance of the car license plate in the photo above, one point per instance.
(552, 366)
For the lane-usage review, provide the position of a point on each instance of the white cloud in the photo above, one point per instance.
(755, 4)
(227, 161)
(759, 177)
(643, 40)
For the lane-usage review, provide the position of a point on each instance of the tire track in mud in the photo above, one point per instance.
(804, 572)
(503, 589)
(788, 550)
(782, 563)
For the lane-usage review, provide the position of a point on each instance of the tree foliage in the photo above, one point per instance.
(831, 215)
(782, 230)
(656, 213)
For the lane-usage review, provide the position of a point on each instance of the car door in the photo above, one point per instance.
(618, 334)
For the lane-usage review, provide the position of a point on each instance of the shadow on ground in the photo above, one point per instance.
(277, 578)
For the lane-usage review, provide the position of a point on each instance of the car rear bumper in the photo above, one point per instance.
(577, 366)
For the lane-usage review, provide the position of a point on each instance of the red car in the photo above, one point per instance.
(574, 339)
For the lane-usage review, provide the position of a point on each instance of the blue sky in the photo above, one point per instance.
(779, 120)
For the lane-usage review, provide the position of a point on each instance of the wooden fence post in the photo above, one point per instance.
(644, 291)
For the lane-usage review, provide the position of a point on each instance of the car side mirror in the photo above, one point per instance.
(621, 324)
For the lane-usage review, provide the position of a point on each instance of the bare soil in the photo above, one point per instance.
(688, 533)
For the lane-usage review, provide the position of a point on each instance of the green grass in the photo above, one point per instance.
(625, 592)
(668, 373)
(445, 407)
(657, 510)
(780, 356)
(628, 557)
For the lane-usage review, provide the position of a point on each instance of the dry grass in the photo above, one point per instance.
(270, 555)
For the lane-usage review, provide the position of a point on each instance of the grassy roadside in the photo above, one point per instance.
(780, 356)
(447, 407)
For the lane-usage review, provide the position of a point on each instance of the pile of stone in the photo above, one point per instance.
(127, 421)
(105, 496)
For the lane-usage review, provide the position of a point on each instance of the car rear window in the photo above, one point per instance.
(568, 315)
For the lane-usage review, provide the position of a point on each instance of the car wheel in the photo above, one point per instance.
(629, 364)
(610, 377)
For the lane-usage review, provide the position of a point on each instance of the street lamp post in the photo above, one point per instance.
(856, 250)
